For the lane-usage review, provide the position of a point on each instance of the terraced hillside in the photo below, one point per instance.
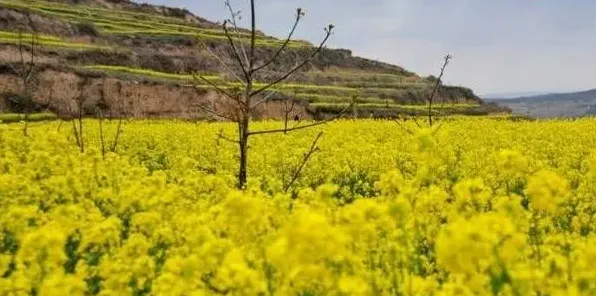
(142, 60)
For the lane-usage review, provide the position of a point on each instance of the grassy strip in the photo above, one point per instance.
(316, 98)
(393, 105)
(259, 42)
(27, 37)
(148, 72)
(14, 117)
(362, 75)
(378, 85)
(367, 80)
(188, 77)
(46, 40)
(55, 44)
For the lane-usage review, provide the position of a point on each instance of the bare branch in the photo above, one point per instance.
(299, 15)
(215, 86)
(117, 136)
(264, 99)
(297, 127)
(307, 156)
(328, 32)
(416, 121)
(221, 135)
(288, 110)
(436, 88)
(235, 50)
(438, 127)
(76, 134)
(253, 35)
(33, 44)
(403, 127)
(235, 15)
(244, 99)
(101, 136)
(32, 64)
(213, 112)
(220, 60)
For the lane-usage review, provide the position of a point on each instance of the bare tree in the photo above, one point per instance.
(122, 113)
(102, 106)
(438, 83)
(101, 134)
(79, 114)
(26, 70)
(289, 111)
(249, 96)
(354, 106)
(117, 98)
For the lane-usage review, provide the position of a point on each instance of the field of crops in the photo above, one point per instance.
(472, 207)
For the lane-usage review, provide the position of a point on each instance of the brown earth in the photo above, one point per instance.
(58, 92)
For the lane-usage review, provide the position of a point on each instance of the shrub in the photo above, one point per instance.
(87, 28)
(20, 103)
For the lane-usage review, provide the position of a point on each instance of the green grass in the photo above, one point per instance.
(47, 41)
(393, 105)
(367, 80)
(316, 98)
(27, 37)
(148, 72)
(285, 87)
(15, 117)
(362, 75)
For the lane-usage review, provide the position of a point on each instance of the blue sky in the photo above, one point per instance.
(502, 46)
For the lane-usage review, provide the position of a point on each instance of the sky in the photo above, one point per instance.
(499, 48)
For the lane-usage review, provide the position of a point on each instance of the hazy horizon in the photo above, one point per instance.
(520, 94)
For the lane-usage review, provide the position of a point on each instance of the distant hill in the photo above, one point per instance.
(574, 104)
(512, 95)
(143, 57)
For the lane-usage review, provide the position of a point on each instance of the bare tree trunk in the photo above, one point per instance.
(354, 106)
(243, 146)
(244, 130)
(436, 88)
(76, 134)
(81, 130)
(101, 137)
(26, 126)
(26, 71)
(117, 136)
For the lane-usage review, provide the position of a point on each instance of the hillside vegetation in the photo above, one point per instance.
(145, 57)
